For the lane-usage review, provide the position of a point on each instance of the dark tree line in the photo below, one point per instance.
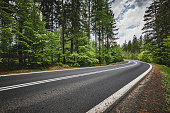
(156, 48)
(36, 33)
(155, 45)
(132, 48)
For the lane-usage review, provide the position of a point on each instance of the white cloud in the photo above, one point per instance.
(130, 19)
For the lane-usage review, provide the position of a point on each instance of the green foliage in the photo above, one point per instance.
(83, 59)
(157, 29)
(132, 48)
(166, 86)
(43, 33)
(166, 51)
(115, 54)
(86, 57)
(145, 56)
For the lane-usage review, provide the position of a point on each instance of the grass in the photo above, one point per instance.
(63, 66)
(166, 86)
(20, 71)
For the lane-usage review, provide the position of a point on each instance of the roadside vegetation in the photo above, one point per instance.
(154, 45)
(41, 35)
(56, 67)
(166, 87)
(38, 34)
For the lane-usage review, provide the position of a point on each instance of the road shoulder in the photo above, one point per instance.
(51, 69)
(145, 97)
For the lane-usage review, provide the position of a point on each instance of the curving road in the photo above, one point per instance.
(65, 91)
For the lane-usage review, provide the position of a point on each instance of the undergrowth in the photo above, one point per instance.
(57, 66)
(166, 86)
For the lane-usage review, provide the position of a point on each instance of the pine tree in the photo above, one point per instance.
(129, 46)
(75, 24)
(156, 43)
(39, 33)
(151, 17)
(63, 31)
(163, 24)
(103, 25)
(6, 34)
(135, 45)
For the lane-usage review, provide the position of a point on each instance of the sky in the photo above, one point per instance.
(129, 17)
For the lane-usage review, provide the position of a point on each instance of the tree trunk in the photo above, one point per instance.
(89, 22)
(20, 54)
(71, 45)
(99, 45)
(63, 30)
(72, 38)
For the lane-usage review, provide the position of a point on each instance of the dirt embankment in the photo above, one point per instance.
(147, 97)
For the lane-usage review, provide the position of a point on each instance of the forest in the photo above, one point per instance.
(74, 33)
(154, 46)
(41, 33)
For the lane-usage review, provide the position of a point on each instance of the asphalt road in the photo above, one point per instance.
(68, 91)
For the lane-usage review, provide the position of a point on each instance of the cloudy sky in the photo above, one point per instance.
(129, 16)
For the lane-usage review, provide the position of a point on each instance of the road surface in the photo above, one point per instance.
(66, 91)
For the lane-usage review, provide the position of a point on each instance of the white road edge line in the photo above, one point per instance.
(54, 70)
(57, 79)
(102, 106)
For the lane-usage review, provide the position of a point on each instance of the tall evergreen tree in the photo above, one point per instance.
(155, 43)
(6, 32)
(39, 33)
(150, 18)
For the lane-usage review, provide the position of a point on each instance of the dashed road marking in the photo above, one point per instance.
(58, 79)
